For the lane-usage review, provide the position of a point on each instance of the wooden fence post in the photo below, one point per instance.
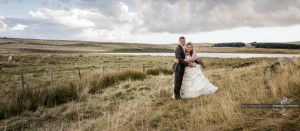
(79, 73)
(51, 77)
(103, 68)
(22, 81)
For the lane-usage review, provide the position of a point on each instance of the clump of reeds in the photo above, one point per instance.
(157, 71)
(113, 78)
(31, 99)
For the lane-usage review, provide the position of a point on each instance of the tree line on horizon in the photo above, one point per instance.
(273, 45)
(230, 44)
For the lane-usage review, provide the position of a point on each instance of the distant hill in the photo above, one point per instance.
(18, 45)
(73, 46)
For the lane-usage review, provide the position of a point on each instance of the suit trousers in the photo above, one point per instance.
(178, 82)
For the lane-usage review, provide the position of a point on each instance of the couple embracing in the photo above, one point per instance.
(190, 82)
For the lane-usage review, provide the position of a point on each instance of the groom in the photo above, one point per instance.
(179, 67)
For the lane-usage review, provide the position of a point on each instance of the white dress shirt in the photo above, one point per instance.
(183, 47)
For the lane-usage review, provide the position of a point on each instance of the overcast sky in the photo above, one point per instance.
(152, 21)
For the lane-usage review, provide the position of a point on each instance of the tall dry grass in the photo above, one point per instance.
(32, 98)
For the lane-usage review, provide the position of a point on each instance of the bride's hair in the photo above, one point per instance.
(190, 43)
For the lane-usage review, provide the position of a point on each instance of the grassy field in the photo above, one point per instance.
(68, 87)
(14, 45)
(134, 93)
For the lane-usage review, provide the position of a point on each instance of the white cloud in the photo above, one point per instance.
(93, 25)
(103, 35)
(74, 18)
(18, 27)
(4, 27)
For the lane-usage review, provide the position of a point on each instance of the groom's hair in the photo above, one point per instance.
(181, 37)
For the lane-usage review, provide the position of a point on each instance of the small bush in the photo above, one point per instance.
(31, 99)
(134, 75)
(114, 78)
(167, 71)
(153, 72)
(60, 95)
(157, 71)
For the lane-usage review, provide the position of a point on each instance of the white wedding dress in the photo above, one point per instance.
(195, 84)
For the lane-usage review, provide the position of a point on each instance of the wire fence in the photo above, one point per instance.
(51, 75)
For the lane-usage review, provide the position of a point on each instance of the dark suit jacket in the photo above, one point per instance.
(179, 54)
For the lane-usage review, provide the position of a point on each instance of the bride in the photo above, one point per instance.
(194, 82)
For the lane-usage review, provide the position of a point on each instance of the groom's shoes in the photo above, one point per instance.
(176, 97)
